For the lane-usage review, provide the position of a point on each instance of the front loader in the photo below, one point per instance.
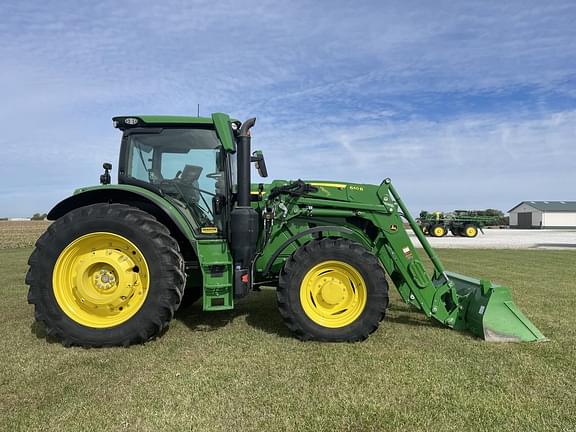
(185, 223)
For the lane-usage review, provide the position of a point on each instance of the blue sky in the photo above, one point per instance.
(468, 104)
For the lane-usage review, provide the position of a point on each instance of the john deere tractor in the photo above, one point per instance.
(462, 223)
(186, 223)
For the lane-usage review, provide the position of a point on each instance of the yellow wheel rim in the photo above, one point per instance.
(333, 294)
(471, 231)
(100, 280)
(438, 231)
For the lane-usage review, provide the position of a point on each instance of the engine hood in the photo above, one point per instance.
(332, 190)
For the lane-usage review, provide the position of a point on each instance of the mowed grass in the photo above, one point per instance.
(241, 370)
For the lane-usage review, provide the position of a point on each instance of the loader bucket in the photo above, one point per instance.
(490, 313)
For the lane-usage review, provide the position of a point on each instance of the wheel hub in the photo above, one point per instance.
(333, 294)
(105, 279)
(100, 280)
(332, 290)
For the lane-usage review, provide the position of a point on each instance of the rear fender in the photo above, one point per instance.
(135, 196)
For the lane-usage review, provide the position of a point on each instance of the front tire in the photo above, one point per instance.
(438, 230)
(470, 231)
(105, 275)
(332, 290)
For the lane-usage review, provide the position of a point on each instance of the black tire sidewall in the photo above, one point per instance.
(62, 234)
(376, 289)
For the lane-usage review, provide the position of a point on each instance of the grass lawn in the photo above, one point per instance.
(241, 370)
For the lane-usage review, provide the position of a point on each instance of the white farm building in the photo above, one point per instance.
(543, 214)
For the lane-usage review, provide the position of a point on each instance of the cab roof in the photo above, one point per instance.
(222, 123)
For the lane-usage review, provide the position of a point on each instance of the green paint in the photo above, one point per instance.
(453, 300)
(489, 312)
(374, 217)
(220, 121)
(456, 222)
(217, 285)
(182, 222)
(164, 119)
(217, 270)
(222, 125)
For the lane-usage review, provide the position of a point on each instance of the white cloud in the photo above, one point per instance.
(468, 94)
(474, 160)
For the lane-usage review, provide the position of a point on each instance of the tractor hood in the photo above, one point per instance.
(329, 190)
(341, 191)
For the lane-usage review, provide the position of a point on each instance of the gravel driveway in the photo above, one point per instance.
(508, 239)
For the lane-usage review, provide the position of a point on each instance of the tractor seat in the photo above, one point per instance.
(189, 182)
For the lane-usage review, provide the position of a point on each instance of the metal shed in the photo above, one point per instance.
(543, 214)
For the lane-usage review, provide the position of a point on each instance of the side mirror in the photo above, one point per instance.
(105, 178)
(258, 158)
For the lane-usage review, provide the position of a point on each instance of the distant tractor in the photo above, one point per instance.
(461, 223)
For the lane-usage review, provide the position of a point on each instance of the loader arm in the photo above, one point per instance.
(457, 301)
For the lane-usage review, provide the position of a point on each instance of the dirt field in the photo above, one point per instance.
(508, 239)
(17, 234)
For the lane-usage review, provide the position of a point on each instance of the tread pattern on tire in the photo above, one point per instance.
(159, 307)
(307, 256)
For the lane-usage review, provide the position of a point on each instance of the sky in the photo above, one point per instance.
(463, 104)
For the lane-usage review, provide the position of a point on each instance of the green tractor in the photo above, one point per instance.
(186, 223)
(461, 223)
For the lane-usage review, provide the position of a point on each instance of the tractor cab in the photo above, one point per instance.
(192, 163)
(187, 165)
(189, 160)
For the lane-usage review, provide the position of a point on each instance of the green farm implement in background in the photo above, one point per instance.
(462, 223)
(186, 223)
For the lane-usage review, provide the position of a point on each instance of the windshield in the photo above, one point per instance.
(186, 164)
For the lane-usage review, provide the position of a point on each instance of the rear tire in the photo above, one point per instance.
(470, 231)
(55, 304)
(325, 316)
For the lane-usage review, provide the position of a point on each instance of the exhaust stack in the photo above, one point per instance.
(244, 160)
(244, 223)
